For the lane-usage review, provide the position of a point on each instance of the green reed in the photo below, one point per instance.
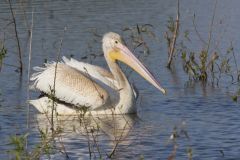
(18, 142)
(3, 53)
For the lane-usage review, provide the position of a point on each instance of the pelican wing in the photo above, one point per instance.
(94, 71)
(70, 85)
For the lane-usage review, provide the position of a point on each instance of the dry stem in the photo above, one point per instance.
(17, 38)
(211, 27)
(174, 38)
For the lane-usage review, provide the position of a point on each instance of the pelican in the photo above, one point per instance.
(78, 85)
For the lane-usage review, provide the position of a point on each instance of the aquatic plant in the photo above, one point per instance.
(45, 147)
(17, 37)
(179, 133)
(137, 35)
(203, 65)
(19, 144)
(233, 71)
(47, 144)
(235, 97)
(198, 68)
(3, 53)
(171, 35)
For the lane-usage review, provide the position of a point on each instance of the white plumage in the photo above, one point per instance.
(79, 85)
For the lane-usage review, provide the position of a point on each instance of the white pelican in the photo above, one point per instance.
(79, 84)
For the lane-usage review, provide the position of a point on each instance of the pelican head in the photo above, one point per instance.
(114, 49)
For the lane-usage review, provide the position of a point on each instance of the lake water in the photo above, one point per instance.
(205, 118)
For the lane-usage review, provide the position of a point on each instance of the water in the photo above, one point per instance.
(207, 114)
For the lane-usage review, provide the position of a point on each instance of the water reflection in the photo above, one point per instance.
(101, 134)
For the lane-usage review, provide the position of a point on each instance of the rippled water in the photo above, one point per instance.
(205, 116)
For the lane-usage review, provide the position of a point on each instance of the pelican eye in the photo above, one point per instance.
(116, 42)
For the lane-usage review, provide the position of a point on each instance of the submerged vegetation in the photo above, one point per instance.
(3, 53)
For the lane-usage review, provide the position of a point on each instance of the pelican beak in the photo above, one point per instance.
(124, 55)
